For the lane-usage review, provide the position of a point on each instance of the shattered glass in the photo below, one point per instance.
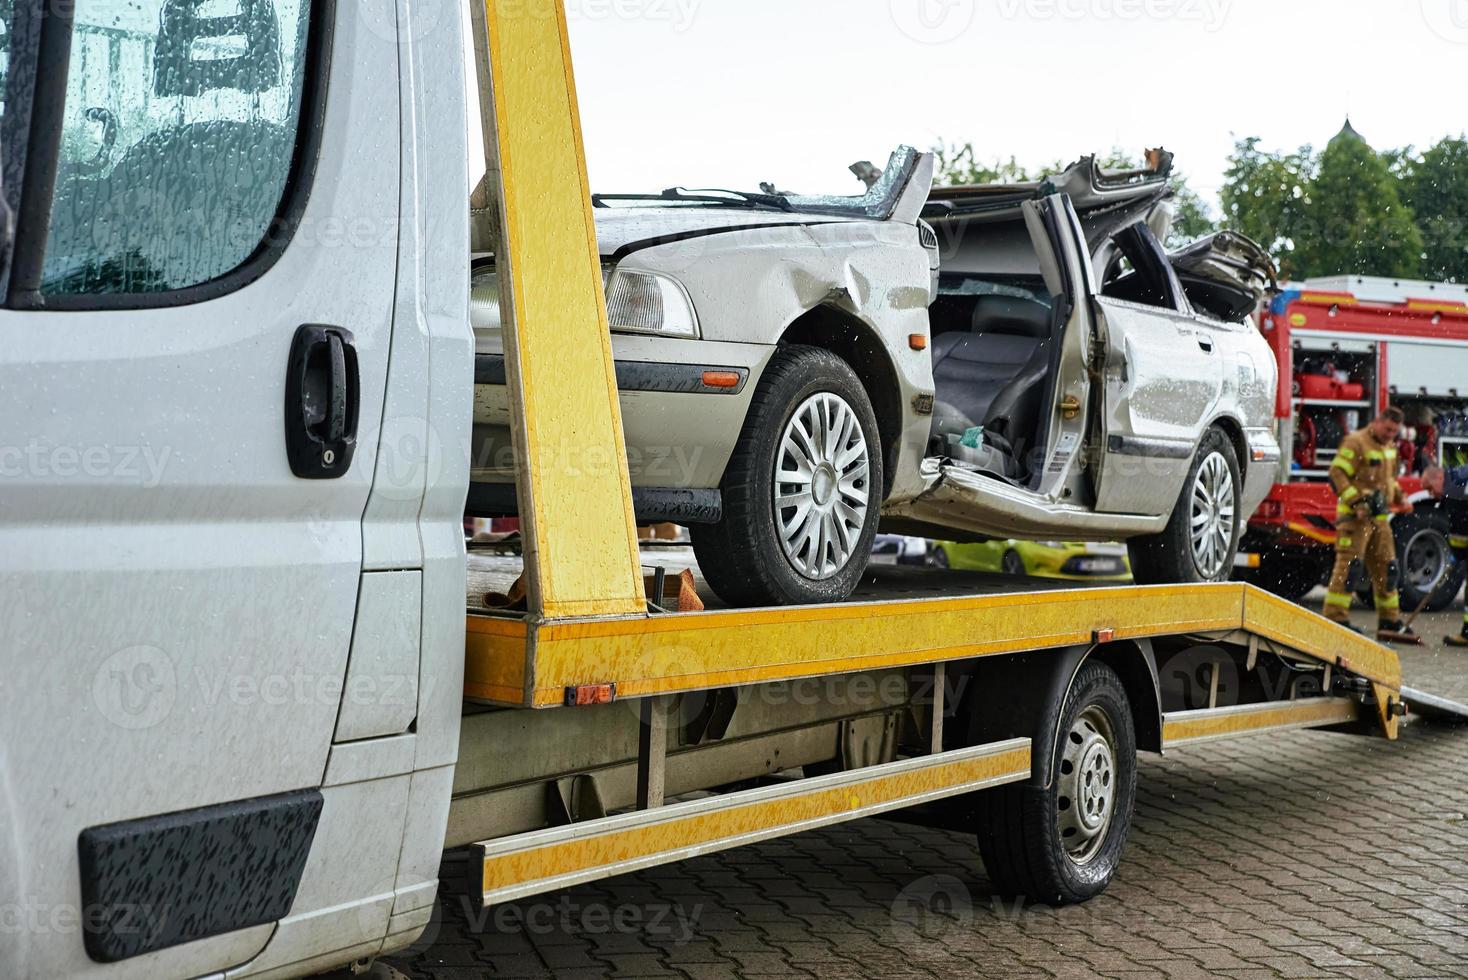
(880, 199)
(179, 134)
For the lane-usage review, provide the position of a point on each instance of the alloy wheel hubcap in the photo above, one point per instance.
(1214, 506)
(1087, 785)
(822, 486)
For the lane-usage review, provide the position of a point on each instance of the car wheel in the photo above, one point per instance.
(1013, 564)
(1063, 843)
(1424, 561)
(1202, 537)
(802, 491)
(939, 558)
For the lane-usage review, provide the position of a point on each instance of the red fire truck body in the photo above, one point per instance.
(1348, 347)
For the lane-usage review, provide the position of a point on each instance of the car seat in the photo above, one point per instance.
(993, 376)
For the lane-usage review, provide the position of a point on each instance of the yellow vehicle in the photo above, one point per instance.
(1070, 560)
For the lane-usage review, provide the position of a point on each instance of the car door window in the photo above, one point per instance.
(1139, 270)
(180, 132)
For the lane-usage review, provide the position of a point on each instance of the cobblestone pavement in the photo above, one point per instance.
(1305, 855)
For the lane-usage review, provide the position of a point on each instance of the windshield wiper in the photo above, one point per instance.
(712, 196)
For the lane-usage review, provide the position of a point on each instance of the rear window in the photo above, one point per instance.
(180, 130)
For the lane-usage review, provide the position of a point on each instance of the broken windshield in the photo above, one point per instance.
(880, 199)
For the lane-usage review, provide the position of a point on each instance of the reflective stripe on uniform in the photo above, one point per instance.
(1390, 603)
(1457, 541)
(1351, 493)
(1339, 599)
(1348, 453)
(1383, 518)
(1376, 456)
(1344, 466)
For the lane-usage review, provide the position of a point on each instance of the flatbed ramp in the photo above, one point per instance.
(1433, 707)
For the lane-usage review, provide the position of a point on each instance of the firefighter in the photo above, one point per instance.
(1364, 477)
(1451, 487)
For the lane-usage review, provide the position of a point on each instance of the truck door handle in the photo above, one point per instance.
(322, 402)
(1206, 343)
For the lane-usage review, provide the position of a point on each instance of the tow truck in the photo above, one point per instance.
(246, 712)
(1353, 345)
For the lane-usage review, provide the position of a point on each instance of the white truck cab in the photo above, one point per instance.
(236, 357)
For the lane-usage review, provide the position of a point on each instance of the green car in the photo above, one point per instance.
(1074, 561)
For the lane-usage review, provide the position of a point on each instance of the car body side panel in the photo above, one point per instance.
(1161, 389)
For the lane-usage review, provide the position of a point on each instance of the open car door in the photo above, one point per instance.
(1066, 266)
(991, 504)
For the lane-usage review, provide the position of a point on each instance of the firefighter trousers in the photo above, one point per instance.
(1370, 542)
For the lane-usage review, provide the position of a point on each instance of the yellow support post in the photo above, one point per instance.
(581, 554)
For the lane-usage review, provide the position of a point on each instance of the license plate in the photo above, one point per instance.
(1098, 566)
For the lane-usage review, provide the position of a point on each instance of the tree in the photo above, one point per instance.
(1265, 195)
(1435, 187)
(1353, 219)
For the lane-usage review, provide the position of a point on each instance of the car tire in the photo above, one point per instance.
(1423, 560)
(763, 554)
(1013, 564)
(1063, 843)
(939, 559)
(1178, 555)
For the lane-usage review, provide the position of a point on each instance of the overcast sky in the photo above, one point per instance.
(731, 92)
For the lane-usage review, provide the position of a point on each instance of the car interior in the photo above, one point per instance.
(996, 348)
(995, 342)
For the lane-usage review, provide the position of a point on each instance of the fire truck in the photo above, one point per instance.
(1354, 345)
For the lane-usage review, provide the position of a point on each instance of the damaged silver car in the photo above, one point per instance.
(1004, 361)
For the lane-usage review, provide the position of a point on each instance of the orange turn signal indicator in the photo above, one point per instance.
(721, 379)
(917, 341)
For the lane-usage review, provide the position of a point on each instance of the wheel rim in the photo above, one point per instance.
(822, 486)
(1087, 785)
(1014, 564)
(1426, 560)
(1214, 505)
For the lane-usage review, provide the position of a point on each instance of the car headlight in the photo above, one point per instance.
(637, 302)
(645, 302)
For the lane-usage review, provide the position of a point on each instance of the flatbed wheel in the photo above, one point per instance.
(1061, 844)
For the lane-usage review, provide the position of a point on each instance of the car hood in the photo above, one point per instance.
(619, 230)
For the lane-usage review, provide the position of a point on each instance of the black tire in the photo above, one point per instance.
(1291, 575)
(939, 558)
(1169, 558)
(1013, 564)
(1022, 829)
(1423, 563)
(743, 557)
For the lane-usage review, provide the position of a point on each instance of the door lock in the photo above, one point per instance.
(1070, 409)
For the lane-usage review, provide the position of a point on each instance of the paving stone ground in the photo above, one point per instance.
(1304, 855)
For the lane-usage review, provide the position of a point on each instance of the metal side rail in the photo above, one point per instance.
(1434, 708)
(520, 663)
(533, 863)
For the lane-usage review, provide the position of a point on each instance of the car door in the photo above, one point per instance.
(1162, 373)
(1059, 243)
(197, 326)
